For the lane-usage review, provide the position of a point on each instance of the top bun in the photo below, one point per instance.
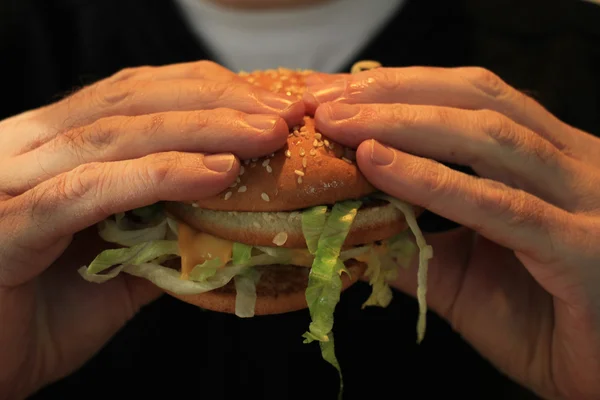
(309, 170)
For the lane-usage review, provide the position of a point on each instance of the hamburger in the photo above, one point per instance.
(297, 228)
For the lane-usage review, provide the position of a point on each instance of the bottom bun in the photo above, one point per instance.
(281, 289)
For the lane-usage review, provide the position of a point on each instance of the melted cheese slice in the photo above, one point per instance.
(195, 247)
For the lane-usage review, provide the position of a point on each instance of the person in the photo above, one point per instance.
(143, 115)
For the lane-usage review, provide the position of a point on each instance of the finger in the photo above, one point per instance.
(510, 217)
(205, 70)
(320, 78)
(120, 138)
(468, 88)
(90, 193)
(131, 97)
(494, 146)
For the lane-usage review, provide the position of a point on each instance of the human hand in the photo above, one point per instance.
(141, 136)
(521, 279)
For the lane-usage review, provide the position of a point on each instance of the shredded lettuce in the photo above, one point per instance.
(313, 223)
(241, 253)
(208, 268)
(425, 253)
(245, 287)
(110, 231)
(324, 282)
(138, 254)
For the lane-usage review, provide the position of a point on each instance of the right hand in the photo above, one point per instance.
(143, 135)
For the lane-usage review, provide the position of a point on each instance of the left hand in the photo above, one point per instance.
(521, 279)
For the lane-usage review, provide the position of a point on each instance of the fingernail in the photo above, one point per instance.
(381, 155)
(341, 111)
(275, 101)
(262, 122)
(328, 92)
(219, 162)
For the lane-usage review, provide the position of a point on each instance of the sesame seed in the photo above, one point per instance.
(320, 144)
(326, 142)
(254, 159)
(272, 155)
(237, 179)
(304, 161)
(269, 169)
(302, 152)
(347, 160)
(264, 196)
(242, 189)
(297, 172)
(228, 195)
(318, 136)
(299, 179)
(195, 205)
(234, 184)
(280, 238)
(303, 129)
(288, 153)
(242, 170)
(253, 165)
(266, 162)
(315, 143)
(331, 146)
(246, 162)
(313, 152)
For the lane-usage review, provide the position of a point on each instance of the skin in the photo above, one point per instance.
(143, 135)
(519, 280)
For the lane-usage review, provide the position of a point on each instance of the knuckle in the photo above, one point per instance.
(406, 117)
(113, 94)
(437, 182)
(500, 129)
(506, 133)
(205, 65)
(101, 134)
(160, 169)
(486, 81)
(385, 79)
(128, 73)
(83, 182)
(199, 120)
(152, 124)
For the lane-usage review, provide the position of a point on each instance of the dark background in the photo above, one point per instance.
(550, 49)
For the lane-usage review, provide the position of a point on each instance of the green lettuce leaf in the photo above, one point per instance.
(425, 253)
(241, 253)
(208, 268)
(245, 287)
(324, 282)
(110, 231)
(138, 254)
(313, 223)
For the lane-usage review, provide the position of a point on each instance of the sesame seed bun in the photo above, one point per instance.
(262, 207)
(309, 170)
(372, 223)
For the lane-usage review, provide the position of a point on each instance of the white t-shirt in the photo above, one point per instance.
(322, 37)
